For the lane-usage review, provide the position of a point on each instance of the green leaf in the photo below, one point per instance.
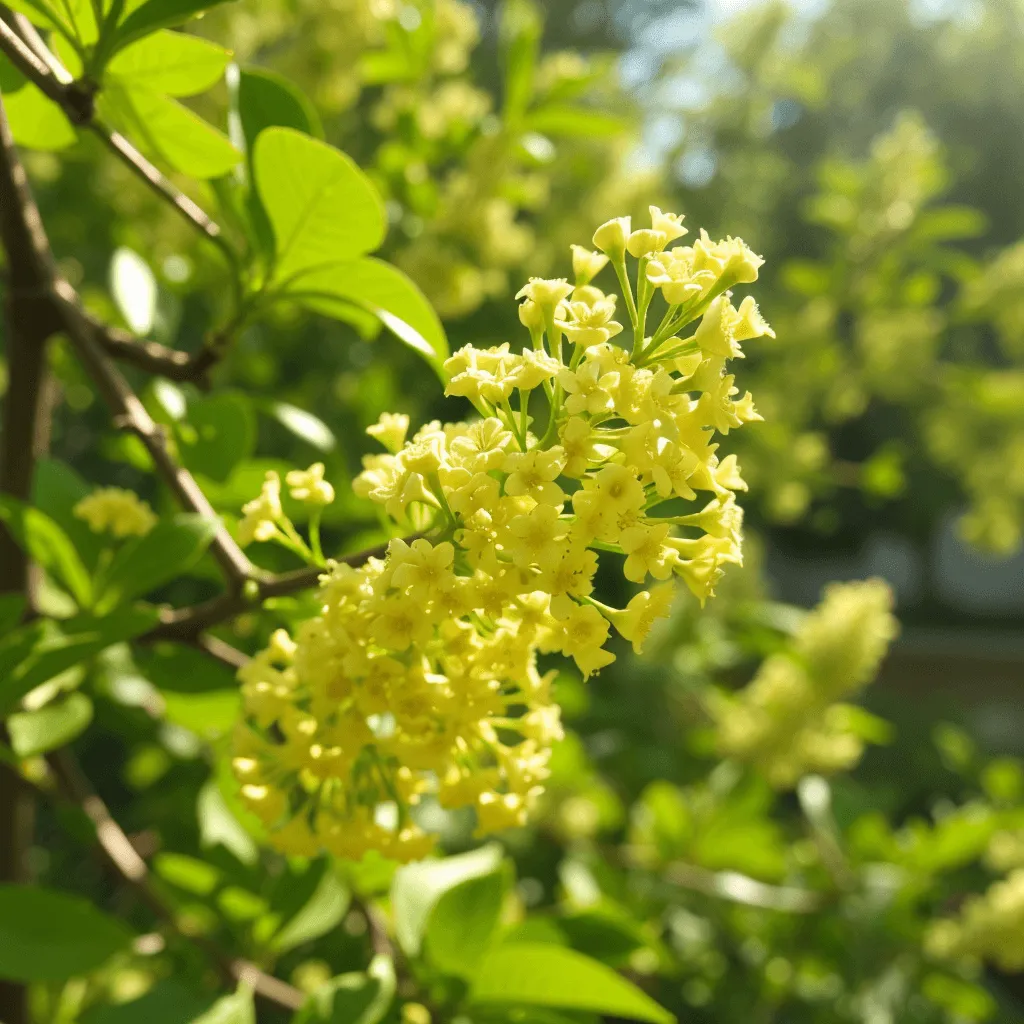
(521, 30)
(354, 998)
(575, 122)
(384, 291)
(169, 131)
(46, 543)
(12, 608)
(218, 433)
(167, 1002)
(134, 288)
(37, 122)
(463, 923)
(219, 827)
(52, 936)
(236, 1009)
(170, 549)
(323, 209)
(265, 99)
(304, 425)
(176, 668)
(74, 19)
(157, 14)
(51, 727)
(170, 62)
(547, 975)
(187, 873)
(210, 715)
(42, 650)
(321, 914)
(418, 887)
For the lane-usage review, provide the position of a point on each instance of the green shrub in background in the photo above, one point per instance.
(707, 845)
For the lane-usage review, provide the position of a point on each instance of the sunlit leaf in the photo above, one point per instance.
(418, 887)
(323, 209)
(304, 425)
(51, 727)
(525, 974)
(37, 122)
(170, 62)
(463, 923)
(133, 286)
(169, 131)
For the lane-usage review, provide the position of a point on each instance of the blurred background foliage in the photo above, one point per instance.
(872, 151)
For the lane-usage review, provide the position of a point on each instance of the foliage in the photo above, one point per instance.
(317, 234)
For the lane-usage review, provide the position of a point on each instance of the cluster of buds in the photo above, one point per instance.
(420, 672)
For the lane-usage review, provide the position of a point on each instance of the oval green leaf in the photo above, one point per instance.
(322, 208)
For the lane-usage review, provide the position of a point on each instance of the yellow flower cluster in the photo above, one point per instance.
(988, 927)
(117, 511)
(789, 721)
(420, 672)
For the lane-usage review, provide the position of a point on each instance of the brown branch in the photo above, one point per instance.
(37, 283)
(76, 100)
(187, 624)
(152, 357)
(134, 872)
(29, 325)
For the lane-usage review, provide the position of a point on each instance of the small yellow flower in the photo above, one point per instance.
(586, 264)
(309, 485)
(262, 514)
(390, 430)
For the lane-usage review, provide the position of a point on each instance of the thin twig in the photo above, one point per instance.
(186, 624)
(135, 873)
(76, 100)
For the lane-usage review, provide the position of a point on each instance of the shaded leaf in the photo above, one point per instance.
(384, 291)
(265, 99)
(354, 998)
(218, 432)
(235, 1009)
(156, 14)
(51, 936)
(46, 543)
(170, 549)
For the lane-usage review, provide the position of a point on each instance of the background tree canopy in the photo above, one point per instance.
(260, 226)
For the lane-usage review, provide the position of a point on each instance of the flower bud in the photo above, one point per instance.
(611, 237)
(644, 241)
